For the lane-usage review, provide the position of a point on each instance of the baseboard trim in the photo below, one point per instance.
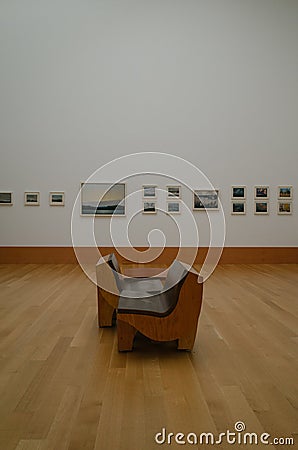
(230, 255)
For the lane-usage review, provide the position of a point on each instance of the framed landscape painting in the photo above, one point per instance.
(261, 208)
(5, 198)
(57, 198)
(174, 191)
(261, 192)
(102, 199)
(32, 199)
(149, 208)
(149, 191)
(173, 207)
(238, 192)
(238, 207)
(284, 208)
(205, 199)
(285, 192)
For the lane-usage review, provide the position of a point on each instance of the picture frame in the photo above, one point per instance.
(261, 208)
(261, 192)
(149, 207)
(285, 192)
(31, 198)
(284, 208)
(238, 192)
(206, 199)
(103, 199)
(238, 207)
(149, 191)
(173, 207)
(6, 198)
(173, 191)
(57, 198)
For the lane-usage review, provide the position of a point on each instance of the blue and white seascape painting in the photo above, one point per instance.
(103, 199)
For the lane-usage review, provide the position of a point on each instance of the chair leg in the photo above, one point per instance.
(186, 342)
(126, 334)
(105, 312)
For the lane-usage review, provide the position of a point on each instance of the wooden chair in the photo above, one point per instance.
(110, 283)
(170, 315)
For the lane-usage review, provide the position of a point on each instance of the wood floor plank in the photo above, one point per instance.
(30, 444)
(61, 428)
(109, 428)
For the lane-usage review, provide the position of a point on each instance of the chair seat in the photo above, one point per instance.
(149, 303)
(141, 284)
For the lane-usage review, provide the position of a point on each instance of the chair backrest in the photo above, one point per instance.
(176, 273)
(106, 276)
(113, 262)
(114, 265)
(176, 277)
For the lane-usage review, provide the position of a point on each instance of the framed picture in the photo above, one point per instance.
(149, 191)
(57, 198)
(102, 199)
(262, 192)
(238, 207)
(6, 198)
(284, 208)
(238, 192)
(205, 199)
(174, 191)
(149, 208)
(32, 199)
(285, 192)
(261, 208)
(173, 207)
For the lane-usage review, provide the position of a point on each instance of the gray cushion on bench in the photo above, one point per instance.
(141, 284)
(159, 304)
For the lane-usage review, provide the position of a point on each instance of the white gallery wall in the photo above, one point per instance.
(83, 82)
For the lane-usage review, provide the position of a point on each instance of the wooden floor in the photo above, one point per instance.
(63, 384)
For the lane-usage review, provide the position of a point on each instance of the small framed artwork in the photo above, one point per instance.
(238, 208)
(32, 199)
(284, 208)
(205, 199)
(149, 191)
(285, 192)
(261, 208)
(174, 191)
(149, 208)
(57, 198)
(238, 192)
(6, 198)
(173, 207)
(261, 192)
(103, 199)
